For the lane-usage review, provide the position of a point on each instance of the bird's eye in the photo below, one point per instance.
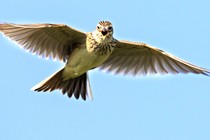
(98, 27)
(110, 28)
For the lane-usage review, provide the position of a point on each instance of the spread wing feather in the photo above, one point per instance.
(141, 59)
(48, 40)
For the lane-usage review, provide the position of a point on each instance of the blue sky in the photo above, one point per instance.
(171, 107)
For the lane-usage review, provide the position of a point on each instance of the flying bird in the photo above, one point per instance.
(82, 52)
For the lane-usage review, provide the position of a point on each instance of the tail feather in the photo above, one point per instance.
(78, 86)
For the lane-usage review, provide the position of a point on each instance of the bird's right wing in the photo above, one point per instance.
(48, 40)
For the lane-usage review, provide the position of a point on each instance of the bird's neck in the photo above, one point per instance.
(95, 44)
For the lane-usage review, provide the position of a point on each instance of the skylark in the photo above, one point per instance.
(85, 51)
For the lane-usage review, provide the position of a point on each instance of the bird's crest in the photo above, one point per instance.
(105, 23)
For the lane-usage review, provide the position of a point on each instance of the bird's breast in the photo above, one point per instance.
(83, 59)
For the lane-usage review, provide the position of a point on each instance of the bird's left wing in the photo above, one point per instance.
(48, 40)
(141, 59)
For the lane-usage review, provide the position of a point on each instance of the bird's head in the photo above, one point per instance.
(103, 32)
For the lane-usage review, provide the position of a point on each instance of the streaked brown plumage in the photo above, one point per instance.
(84, 51)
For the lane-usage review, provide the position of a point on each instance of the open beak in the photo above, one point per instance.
(104, 31)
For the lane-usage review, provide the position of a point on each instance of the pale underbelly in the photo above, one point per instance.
(81, 61)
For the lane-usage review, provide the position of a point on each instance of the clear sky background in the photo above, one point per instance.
(170, 107)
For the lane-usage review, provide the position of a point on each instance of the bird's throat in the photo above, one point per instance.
(101, 46)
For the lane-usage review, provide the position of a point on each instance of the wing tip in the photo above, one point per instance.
(206, 73)
(37, 87)
(1, 25)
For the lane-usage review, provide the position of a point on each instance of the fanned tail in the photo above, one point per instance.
(79, 86)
